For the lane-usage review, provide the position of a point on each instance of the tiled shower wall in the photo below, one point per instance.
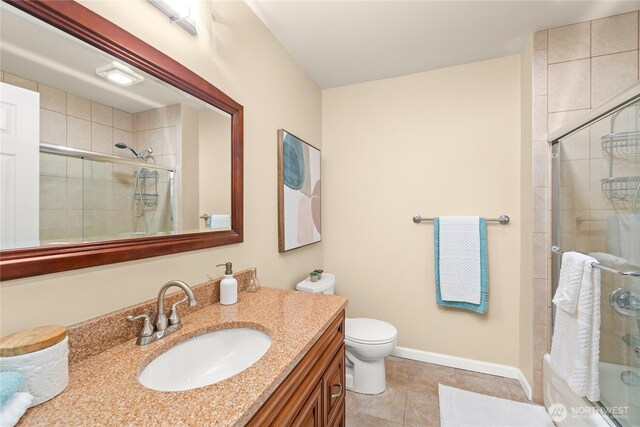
(576, 68)
(86, 200)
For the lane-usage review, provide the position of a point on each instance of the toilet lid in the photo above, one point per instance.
(369, 331)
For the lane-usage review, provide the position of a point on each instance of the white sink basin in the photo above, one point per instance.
(205, 359)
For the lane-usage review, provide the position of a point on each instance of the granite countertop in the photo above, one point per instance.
(104, 389)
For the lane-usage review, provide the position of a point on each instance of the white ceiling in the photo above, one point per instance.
(344, 42)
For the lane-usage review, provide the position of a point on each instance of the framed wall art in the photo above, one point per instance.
(298, 192)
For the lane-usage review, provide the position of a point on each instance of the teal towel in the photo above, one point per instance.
(484, 290)
(10, 383)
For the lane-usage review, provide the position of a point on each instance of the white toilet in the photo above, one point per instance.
(367, 341)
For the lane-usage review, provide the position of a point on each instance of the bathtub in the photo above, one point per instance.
(579, 411)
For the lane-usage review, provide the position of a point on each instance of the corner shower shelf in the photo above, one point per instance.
(149, 199)
(621, 143)
(620, 187)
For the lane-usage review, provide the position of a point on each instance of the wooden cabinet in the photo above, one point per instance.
(313, 393)
(333, 384)
(311, 413)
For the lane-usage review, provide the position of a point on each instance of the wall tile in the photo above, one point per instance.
(74, 221)
(540, 72)
(597, 131)
(569, 85)
(611, 74)
(614, 34)
(540, 40)
(53, 224)
(102, 114)
(540, 209)
(53, 127)
(170, 115)
(569, 42)
(540, 249)
(559, 119)
(155, 141)
(20, 82)
(52, 98)
(122, 120)
(540, 118)
(74, 193)
(540, 163)
(540, 302)
(53, 192)
(101, 138)
(169, 140)
(101, 171)
(576, 146)
(141, 121)
(78, 133)
(141, 140)
(78, 106)
(539, 344)
(52, 165)
(77, 168)
(537, 386)
(155, 118)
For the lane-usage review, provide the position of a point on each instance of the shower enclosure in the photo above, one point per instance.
(596, 211)
(109, 196)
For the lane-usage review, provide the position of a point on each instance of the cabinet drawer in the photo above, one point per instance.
(334, 386)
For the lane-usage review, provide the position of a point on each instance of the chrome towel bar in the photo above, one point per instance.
(631, 273)
(502, 219)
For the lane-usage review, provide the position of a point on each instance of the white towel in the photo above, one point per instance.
(575, 348)
(14, 409)
(460, 269)
(573, 267)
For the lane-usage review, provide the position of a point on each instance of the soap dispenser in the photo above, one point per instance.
(228, 286)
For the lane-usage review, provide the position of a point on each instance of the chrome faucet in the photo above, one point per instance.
(164, 326)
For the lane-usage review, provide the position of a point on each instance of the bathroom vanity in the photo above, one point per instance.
(299, 380)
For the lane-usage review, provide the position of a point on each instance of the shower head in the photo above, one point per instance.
(123, 146)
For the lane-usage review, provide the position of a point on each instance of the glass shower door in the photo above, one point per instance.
(597, 195)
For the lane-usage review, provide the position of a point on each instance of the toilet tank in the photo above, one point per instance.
(325, 285)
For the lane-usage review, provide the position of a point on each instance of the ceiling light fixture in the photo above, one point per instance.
(178, 12)
(120, 74)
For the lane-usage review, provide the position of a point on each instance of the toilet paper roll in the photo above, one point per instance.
(46, 371)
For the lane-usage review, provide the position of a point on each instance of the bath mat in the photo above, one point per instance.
(461, 408)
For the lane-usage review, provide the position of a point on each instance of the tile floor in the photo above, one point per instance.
(411, 398)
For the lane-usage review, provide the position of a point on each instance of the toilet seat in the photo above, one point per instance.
(369, 331)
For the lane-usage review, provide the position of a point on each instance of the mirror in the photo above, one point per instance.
(106, 158)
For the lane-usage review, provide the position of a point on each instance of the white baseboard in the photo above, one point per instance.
(466, 364)
(525, 385)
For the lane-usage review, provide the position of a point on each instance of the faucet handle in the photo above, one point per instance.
(146, 330)
(173, 316)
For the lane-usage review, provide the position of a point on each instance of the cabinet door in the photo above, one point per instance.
(334, 387)
(340, 419)
(311, 413)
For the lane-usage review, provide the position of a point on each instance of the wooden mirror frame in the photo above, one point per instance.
(91, 28)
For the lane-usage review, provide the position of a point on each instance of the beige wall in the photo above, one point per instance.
(245, 61)
(443, 142)
(187, 216)
(215, 167)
